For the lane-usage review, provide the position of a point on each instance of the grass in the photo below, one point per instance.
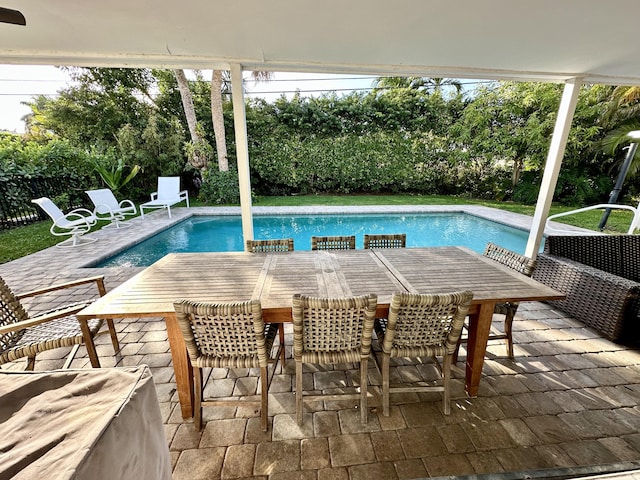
(22, 241)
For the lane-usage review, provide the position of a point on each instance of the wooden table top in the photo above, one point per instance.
(275, 277)
(442, 269)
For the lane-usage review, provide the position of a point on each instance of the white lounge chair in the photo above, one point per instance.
(108, 207)
(168, 194)
(75, 224)
(635, 221)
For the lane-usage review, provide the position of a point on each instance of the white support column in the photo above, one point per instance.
(552, 165)
(242, 151)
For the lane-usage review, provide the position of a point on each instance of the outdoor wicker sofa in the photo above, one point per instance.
(600, 274)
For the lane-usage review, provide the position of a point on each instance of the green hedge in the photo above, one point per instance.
(379, 162)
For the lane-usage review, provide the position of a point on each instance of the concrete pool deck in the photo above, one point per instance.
(112, 241)
(566, 407)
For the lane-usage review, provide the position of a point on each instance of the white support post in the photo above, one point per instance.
(552, 165)
(242, 151)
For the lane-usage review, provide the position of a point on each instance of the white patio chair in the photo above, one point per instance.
(635, 221)
(168, 194)
(74, 224)
(108, 207)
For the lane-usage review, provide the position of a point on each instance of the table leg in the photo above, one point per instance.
(181, 366)
(282, 352)
(88, 343)
(479, 328)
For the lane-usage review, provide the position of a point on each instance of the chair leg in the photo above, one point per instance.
(70, 357)
(457, 350)
(197, 404)
(508, 331)
(446, 377)
(385, 384)
(299, 404)
(31, 362)
(114, 335)
(364, 409)
(264, 393)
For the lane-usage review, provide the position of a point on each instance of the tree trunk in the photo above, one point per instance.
(218, 120)
(197, 153)
(517, 170)
(187, 104)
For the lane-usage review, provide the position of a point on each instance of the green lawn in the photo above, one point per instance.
(21, 241)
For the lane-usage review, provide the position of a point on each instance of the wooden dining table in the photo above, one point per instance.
(274, 278)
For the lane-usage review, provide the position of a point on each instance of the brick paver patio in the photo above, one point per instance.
(566, 407)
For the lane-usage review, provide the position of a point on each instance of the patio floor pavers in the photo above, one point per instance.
(569, 399)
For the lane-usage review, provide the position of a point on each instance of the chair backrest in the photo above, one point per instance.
(425, 320)
(513, 260)
(233, 331)
(168, 187)
(329, 325)
(333, 243)
(49, 208)
(274, 245)
(11, 311)
(598, 251)
(103, 199)
(385, 241)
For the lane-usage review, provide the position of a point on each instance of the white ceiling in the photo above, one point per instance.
(548, 40)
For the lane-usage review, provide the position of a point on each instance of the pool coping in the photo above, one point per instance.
(113, 241)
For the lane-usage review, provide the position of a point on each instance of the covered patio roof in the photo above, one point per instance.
(569, 41)
(545, 40)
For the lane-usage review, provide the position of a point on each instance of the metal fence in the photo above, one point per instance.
(16, 193)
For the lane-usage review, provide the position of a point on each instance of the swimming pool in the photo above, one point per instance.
(223, 233)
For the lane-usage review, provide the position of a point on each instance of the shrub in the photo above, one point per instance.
(219, 187)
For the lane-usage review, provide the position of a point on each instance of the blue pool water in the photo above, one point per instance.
(224, 233)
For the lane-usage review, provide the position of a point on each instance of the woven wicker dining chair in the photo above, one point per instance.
(334, 243)
(228, 335)
(422, 325)
(520, 264)
(385, 241)
(273, 245)
(24, 336)
(332, 331)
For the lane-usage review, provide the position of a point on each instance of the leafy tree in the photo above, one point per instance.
(115, 114)
(511, 123)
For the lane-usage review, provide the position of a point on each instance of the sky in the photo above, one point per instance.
(19, 83)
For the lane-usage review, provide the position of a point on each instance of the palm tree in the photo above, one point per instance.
(620, 137)
(624, 104)
(217, 118)
(219, 85)
(428, 84)
(197, 151)
(623, 112)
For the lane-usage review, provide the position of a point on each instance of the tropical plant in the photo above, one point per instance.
(623, 105)
(113, 174)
